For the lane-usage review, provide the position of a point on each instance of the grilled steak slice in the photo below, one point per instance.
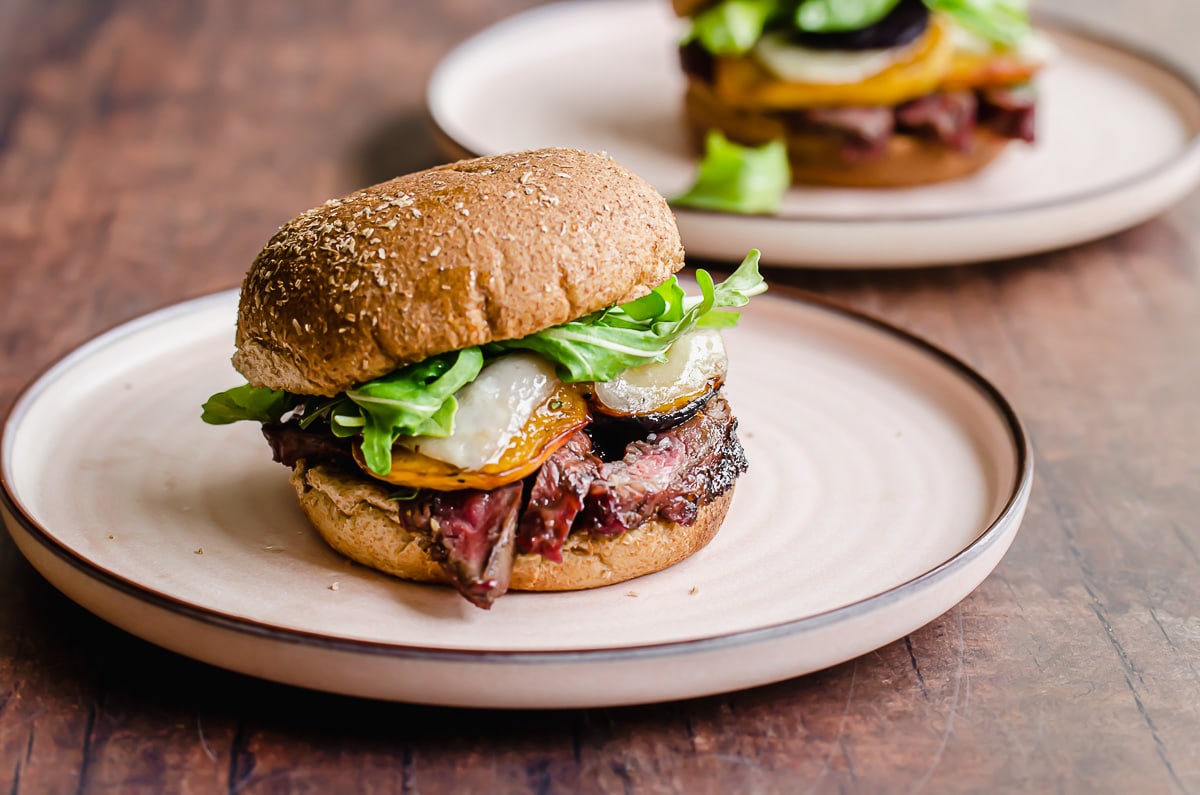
(670, 474)
(948, 116)
(1010, 112)
(864, 131)
(473, 533)
(557, 497)
(291, 443)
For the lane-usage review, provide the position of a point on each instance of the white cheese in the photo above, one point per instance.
(492, 410)
(694, 360)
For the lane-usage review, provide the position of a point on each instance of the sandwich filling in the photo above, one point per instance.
(862, 73)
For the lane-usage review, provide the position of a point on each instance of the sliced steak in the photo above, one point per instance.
(557, 497)
(948, 116)
(473, 533)
(291, 443)
(668, 475)
(865, 131)
(1010, 112)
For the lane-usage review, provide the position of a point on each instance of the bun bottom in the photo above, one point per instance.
(355, 517)
(817, 159)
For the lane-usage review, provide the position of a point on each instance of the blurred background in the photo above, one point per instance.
(149, 148)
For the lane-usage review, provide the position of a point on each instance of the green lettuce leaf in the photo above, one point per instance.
(601, 346)
(739, 179)
(839, 16)
(1004, 22)
(733, 26)
(417, 400)
(246, 402)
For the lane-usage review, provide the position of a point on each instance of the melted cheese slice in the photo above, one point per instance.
(509, 420)
(696, 363)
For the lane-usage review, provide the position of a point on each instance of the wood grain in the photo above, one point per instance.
(148, 149)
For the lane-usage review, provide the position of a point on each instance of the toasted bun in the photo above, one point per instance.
(817, 159)
(459, 255)
(354, 516)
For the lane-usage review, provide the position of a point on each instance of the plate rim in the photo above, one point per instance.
(994, 532)
(1043, 19)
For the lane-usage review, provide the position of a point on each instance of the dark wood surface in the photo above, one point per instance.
(148, 149)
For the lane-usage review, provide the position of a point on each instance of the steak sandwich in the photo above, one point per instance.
(485, 374)
(883, 93)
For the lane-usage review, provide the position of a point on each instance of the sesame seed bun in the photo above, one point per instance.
(355, 517)
(463, 254)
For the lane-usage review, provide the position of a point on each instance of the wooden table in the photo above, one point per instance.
(148, 149)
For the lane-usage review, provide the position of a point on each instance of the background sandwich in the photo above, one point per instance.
(869, 93)
(486, 374)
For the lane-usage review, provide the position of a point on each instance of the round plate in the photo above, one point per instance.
(1117, 142)
(886, 481)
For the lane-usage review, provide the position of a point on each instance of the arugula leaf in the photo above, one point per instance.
(739, 179)
(733, 26)
(601, 346)
(245, 402)
(839, 16)
(1004, 22)
(417, 400)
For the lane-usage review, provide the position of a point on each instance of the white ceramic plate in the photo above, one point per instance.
(1118, 142)
(886, 481)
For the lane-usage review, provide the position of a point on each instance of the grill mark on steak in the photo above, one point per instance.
(668, 476)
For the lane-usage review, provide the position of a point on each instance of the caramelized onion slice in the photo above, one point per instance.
(696, 364)
(547, 429)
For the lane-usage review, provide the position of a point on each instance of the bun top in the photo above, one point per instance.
(458, 255)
